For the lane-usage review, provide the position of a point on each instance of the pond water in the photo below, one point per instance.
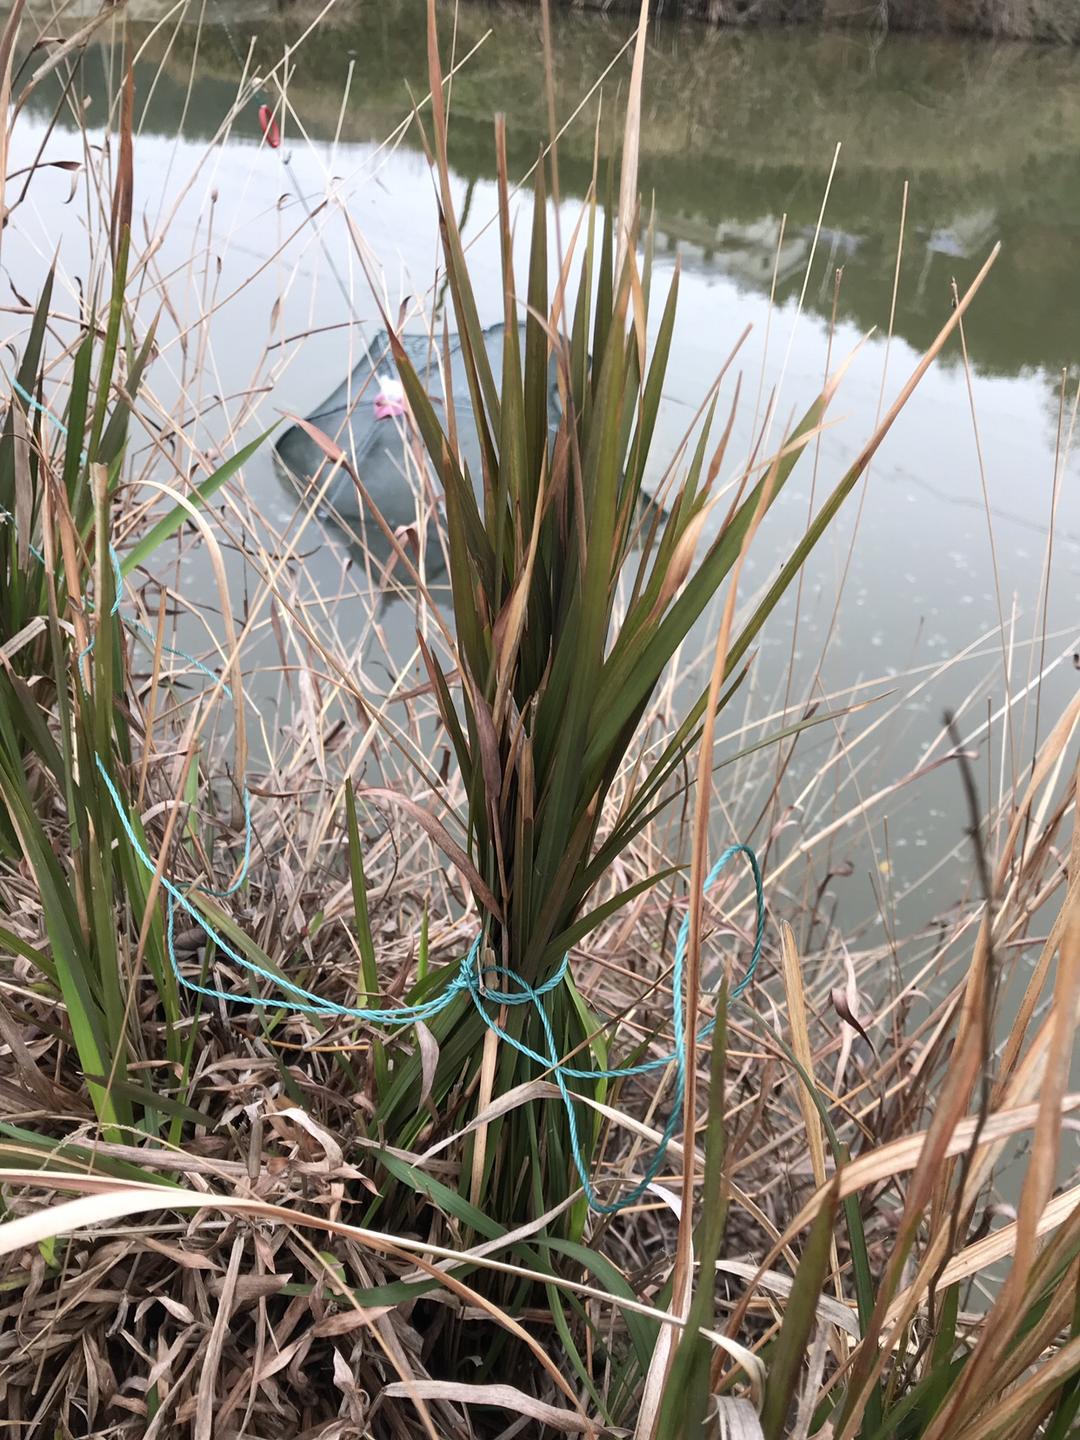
(950, 534)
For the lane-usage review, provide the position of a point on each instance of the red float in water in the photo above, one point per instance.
(271, 133)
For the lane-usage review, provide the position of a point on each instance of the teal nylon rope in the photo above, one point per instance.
(472, 977)
(35, 404)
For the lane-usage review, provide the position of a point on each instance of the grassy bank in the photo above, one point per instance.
(283, 1150)
(1047, 20)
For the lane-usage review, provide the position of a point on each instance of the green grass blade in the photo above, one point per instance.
(112, 342)
(115, 436)
(568, 938)
(27, 377)
(640, 1328)
(21, 1148)
(450, 1202)
(69, 958)
(152, 1100)
(687, 1397)
(77, 491)
(1063, 1420)
(10, 941)
(798, 1322)
(179, 515)
(860, 1255)
(628, 678)
(537, 372)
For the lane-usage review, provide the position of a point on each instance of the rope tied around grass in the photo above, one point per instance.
(473, 978)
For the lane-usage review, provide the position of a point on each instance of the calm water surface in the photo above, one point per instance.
(740, 131)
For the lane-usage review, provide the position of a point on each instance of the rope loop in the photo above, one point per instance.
(471, 978)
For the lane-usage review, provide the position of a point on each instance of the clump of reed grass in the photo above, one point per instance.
(283, 1221)
(573, 590)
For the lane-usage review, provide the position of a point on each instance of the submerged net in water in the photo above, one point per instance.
(364, 415)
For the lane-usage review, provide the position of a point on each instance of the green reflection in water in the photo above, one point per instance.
(739, 130)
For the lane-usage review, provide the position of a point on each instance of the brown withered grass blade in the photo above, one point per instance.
(1009, 1310)
(799, 1316)
(124, 194)
(502, 1397)
(8, 37)
(795, 994)
(628, 185)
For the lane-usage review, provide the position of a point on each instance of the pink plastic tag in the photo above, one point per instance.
(390, 400)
